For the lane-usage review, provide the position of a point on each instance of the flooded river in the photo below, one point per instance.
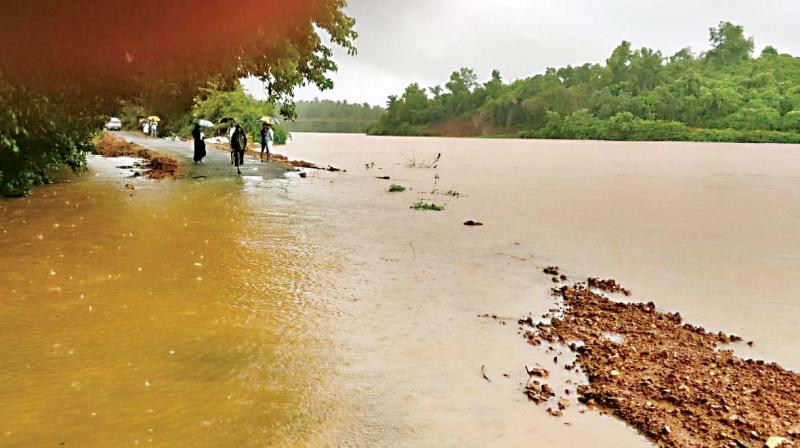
(325, 312)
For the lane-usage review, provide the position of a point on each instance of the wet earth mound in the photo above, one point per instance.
(678, 384)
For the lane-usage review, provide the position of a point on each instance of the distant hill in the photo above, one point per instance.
(334, 116)
(723, 94)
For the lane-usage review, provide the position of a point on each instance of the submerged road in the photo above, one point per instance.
(216, 163)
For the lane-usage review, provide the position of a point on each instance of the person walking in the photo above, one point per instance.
(199, 144)
(267, 137)
(238, 146)
(154, 129)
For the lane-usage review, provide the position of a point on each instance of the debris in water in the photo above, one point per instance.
(483, 373)
(537, 371)
(551, 270)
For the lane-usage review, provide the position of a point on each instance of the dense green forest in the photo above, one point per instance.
(723, 94)
(334, 116)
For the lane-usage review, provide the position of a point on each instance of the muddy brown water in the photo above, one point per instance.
(325, 312)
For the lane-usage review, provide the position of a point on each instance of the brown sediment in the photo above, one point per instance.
(674, 382)
(161, 167)
(156, 166)
(607, 285)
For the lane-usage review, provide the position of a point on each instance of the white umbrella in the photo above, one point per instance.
(205, 124)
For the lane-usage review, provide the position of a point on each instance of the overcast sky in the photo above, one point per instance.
(423, 41)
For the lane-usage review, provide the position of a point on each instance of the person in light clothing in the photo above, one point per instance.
(267, 137)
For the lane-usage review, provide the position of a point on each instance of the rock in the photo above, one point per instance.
(775, 442)
(537, 371)
(383, 177)
(472, 223)
(740, 444)
(563, 403)
(303, 175)
(129, 187)
(538, 393)
(554, 413)
(551, 270)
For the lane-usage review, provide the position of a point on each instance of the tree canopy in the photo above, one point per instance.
(639, 93)
(65, 66)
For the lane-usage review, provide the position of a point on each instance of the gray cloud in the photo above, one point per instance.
(423, 41)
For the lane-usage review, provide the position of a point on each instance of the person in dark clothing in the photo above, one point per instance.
(266, 139)
(238, 145)
(199, 144)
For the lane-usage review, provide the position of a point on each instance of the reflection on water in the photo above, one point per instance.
(175, 314)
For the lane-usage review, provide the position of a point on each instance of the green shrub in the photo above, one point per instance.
(395, 188)
(423, 205)
(214, 105)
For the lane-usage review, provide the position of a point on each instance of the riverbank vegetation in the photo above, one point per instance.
(214, 104)
(334, 116)
(723, 95)
(52, 106)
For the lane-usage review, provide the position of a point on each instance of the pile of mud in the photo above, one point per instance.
(676, 383)
(156, 166)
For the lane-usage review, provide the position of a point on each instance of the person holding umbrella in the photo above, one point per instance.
(267, 137)
(153, 120)
(199, 144)
(238, 146)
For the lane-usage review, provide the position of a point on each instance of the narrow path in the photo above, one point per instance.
(216, 163)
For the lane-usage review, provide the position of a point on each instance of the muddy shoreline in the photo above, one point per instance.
(677, 384)
(155, 166)
(279, 159)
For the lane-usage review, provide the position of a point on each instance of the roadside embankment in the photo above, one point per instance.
(155, 165)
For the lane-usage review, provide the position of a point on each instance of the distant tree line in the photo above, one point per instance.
(334, 116)
(723, 94)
